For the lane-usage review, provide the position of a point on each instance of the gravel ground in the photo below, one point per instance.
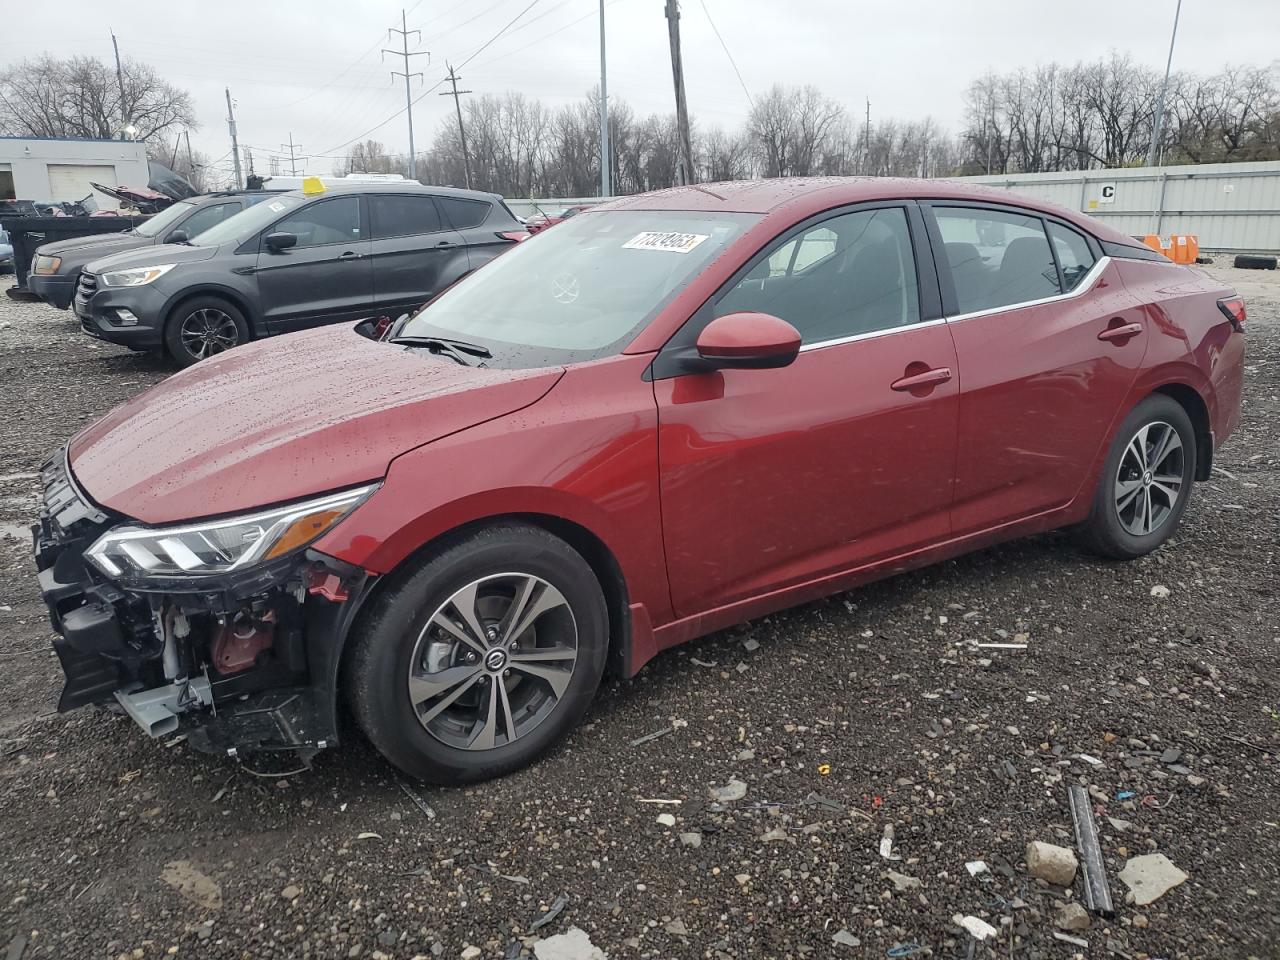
(869, 710)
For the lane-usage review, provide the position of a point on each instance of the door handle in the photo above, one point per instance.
(445, 243)
(1122, 332)
(929, 378)
(349, 255)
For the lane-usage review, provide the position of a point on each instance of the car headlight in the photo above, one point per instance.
(135, 277)
(136, 552)
(44, 265)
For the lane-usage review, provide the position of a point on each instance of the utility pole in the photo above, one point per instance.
(404, 32)
(124, 113)
(866, 142)
(453, 79)
(606, 188)
(682, 109)
(235, 147)
(1158, 120)
(293, 160)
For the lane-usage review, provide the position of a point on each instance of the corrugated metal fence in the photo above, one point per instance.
(1231, 207)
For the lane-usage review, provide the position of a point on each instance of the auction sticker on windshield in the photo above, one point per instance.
(662, 240)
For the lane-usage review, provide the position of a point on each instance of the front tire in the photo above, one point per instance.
(479, 659)
(202, 327)
(1145, 482)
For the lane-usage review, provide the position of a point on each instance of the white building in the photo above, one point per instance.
(55, 168)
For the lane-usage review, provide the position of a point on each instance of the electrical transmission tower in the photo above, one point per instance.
(406, 53)
(293, 156)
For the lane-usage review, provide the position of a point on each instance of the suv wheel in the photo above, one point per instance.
(202, 327)
(482, 657)
(1145, 482)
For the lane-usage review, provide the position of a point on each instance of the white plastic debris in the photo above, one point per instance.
(1150, 877)
(976, 867)
(977, 928)
(886, 844)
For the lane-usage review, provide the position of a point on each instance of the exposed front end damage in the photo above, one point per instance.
(244, 661)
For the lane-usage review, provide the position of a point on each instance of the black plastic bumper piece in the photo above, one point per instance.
(290, 719)
(89, 678)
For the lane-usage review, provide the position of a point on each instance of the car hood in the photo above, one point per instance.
(95, 245)
(283, 419)
(160, 253)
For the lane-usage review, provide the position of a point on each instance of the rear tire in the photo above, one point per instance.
(203, 327)
(1145, 482)
(453, 687)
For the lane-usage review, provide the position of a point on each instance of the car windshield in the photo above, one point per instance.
(581, 291)
(164, 219)
(239, 228)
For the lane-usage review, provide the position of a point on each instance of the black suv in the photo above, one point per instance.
(298, 260)
(56, 266)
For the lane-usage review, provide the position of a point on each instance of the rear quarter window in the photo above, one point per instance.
(462, 214)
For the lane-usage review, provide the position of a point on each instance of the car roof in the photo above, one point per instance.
(802, 197)
(407, 186)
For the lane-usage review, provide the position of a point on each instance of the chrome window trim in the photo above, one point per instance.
(872, 335)
(1086, 285)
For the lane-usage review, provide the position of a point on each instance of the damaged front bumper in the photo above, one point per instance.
(240, 662)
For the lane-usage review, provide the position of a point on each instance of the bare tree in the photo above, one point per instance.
(81, 97)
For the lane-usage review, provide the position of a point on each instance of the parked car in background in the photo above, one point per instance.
(6, 252)
(676, 413)
(540, 223)
(298, 260)
(55, 269)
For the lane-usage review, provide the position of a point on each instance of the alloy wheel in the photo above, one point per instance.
(207, 331)
(1150, 478)
(493, 661)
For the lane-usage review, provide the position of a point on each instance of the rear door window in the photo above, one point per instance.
(462, 214)
(996, 258)
(1074, 256)
(399, 215)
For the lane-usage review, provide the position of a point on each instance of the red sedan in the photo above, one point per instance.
(677, 412)
(538, 224)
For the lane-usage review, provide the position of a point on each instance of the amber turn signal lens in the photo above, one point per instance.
(302, 531)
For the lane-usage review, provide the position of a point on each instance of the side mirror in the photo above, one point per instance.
(178, 236)
(754, 341)
(280, 241)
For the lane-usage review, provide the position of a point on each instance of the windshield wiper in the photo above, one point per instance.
(458, 350)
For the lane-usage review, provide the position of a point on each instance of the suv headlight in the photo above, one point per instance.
(43, 266)
(135, 277)
(135, 552)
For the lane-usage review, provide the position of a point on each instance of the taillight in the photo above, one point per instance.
(1233, 309)
(514, 235)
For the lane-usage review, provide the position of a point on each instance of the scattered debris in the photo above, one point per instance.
(677, 928)
(692, 839)
(733, 790)
(1150, 877)
(886, 844)
(1160, 591)
(651, 736)
(1075, 941)
(905, 950)
(1051, 863)
(977, 928)
(368, 835)
(902, 883)
(659, 800)
(751, 644)
(416, 798)
(573, 944)
(1089, 759)
(845, 939)
(666, 819)
(1001, 646)
(1097, 894)
(193, 884)
(291, 892)
(976, 867)
(1071, 916)
(553, 911)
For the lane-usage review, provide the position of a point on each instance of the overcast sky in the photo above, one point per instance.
(314, 69)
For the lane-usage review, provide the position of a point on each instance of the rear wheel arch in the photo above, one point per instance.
(1198, 411)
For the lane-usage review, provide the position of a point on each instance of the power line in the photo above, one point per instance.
(733, 63)
(484, 46)
(293, 159)
(545, 37)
